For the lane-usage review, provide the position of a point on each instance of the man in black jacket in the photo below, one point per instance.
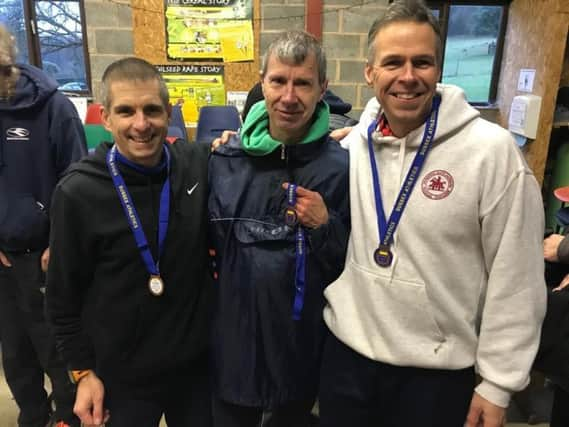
(554, 346)
(128, 289)
(279, 221)
(40, 136)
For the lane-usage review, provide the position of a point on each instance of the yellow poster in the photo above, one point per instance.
(210, 29)
(237, 42)
(193, 86)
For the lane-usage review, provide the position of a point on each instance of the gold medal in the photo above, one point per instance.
(156, 285)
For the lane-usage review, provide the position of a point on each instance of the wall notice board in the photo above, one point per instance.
(149, 34)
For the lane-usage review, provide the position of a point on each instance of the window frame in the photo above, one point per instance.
(443, 7)
(34, 46)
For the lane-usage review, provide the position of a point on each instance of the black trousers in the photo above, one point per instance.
(294, 414)
(560, 408)
(184, 401)
(357, 391)
(28, 348)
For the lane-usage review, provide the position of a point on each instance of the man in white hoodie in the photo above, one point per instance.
(444, 271)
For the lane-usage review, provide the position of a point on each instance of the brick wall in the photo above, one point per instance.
(109, 36)
(345, 27)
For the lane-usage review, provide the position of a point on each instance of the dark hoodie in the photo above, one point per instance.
(40, 135)
(103, 314)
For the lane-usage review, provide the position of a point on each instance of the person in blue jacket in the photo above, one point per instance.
(279, 222)
(40, 136)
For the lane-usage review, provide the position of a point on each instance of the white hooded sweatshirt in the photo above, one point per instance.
(466, 284)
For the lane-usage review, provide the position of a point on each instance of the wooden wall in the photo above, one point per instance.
(149, 31)
(536, 38)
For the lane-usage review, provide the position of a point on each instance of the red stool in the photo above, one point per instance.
(93, 116)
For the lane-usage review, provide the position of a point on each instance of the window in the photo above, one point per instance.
(473, 35)
(51, 36)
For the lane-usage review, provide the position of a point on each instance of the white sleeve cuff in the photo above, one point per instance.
(494, 394)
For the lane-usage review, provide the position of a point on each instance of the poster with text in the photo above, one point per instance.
(210, 30)
(193, 86)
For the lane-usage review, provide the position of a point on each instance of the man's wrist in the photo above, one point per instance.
(493, 393)
(77, 375)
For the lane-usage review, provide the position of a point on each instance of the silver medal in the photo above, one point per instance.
(156, 286)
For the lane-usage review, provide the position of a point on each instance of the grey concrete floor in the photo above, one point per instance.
(8, 408)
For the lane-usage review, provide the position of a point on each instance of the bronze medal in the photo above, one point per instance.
(383, 256)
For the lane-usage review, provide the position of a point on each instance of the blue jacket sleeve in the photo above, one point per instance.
(328, 243)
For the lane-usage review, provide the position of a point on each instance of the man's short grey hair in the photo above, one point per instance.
(132, 69)
(405, 11)
(293, 47)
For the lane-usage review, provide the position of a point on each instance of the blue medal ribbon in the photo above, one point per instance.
(290, 214)
(387, 228)
(300, 255)
(132, 215)
(291, 195)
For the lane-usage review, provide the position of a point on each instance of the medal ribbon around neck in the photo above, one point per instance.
(386, 229)
(134, 221)
(300, 254)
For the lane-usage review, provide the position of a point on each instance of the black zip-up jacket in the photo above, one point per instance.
(262, 356)
(103, 314)
(40, 136)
